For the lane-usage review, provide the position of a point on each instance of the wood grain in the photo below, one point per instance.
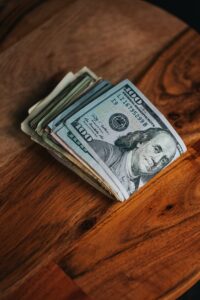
(19, 18)
(47, 208)
(147, 247)
(173, 85)
(49, 282)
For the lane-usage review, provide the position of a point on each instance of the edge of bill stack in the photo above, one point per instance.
(110, 135)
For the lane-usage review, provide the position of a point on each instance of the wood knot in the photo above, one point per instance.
(178, 124)
(196, 146)
(87, 224)
(173, 115)
(50, 55)
(169, 207)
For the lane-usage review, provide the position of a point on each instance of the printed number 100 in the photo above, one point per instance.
(83, 132)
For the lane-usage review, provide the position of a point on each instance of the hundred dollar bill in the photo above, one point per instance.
(81, 151)
(101, 177)
(97, 89)
(66, 92)
(83, 156)
(125, 134)
(56, 123)
(60, 86)
(43, 108)
(94, 92)
(65, 89)
(75, 88)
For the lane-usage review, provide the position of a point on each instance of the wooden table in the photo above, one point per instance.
(53, 224)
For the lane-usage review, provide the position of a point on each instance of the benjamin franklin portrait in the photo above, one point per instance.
(137, 155)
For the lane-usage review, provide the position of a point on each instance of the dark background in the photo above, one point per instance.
(189, 12)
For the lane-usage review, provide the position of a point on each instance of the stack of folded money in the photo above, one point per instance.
(110, 135)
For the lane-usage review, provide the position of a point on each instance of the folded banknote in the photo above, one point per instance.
(112, 136)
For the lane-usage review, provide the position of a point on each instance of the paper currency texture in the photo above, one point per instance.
(111, 136)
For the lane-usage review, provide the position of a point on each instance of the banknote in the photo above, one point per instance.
(59, 87)
(94, 92)
(41, 104)
(78, 151)
(97, 89)
(111, 136)
(91, 94)
(70, 84)
(70, 139)
(126, 135)
(71, 92)
(67, 85)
